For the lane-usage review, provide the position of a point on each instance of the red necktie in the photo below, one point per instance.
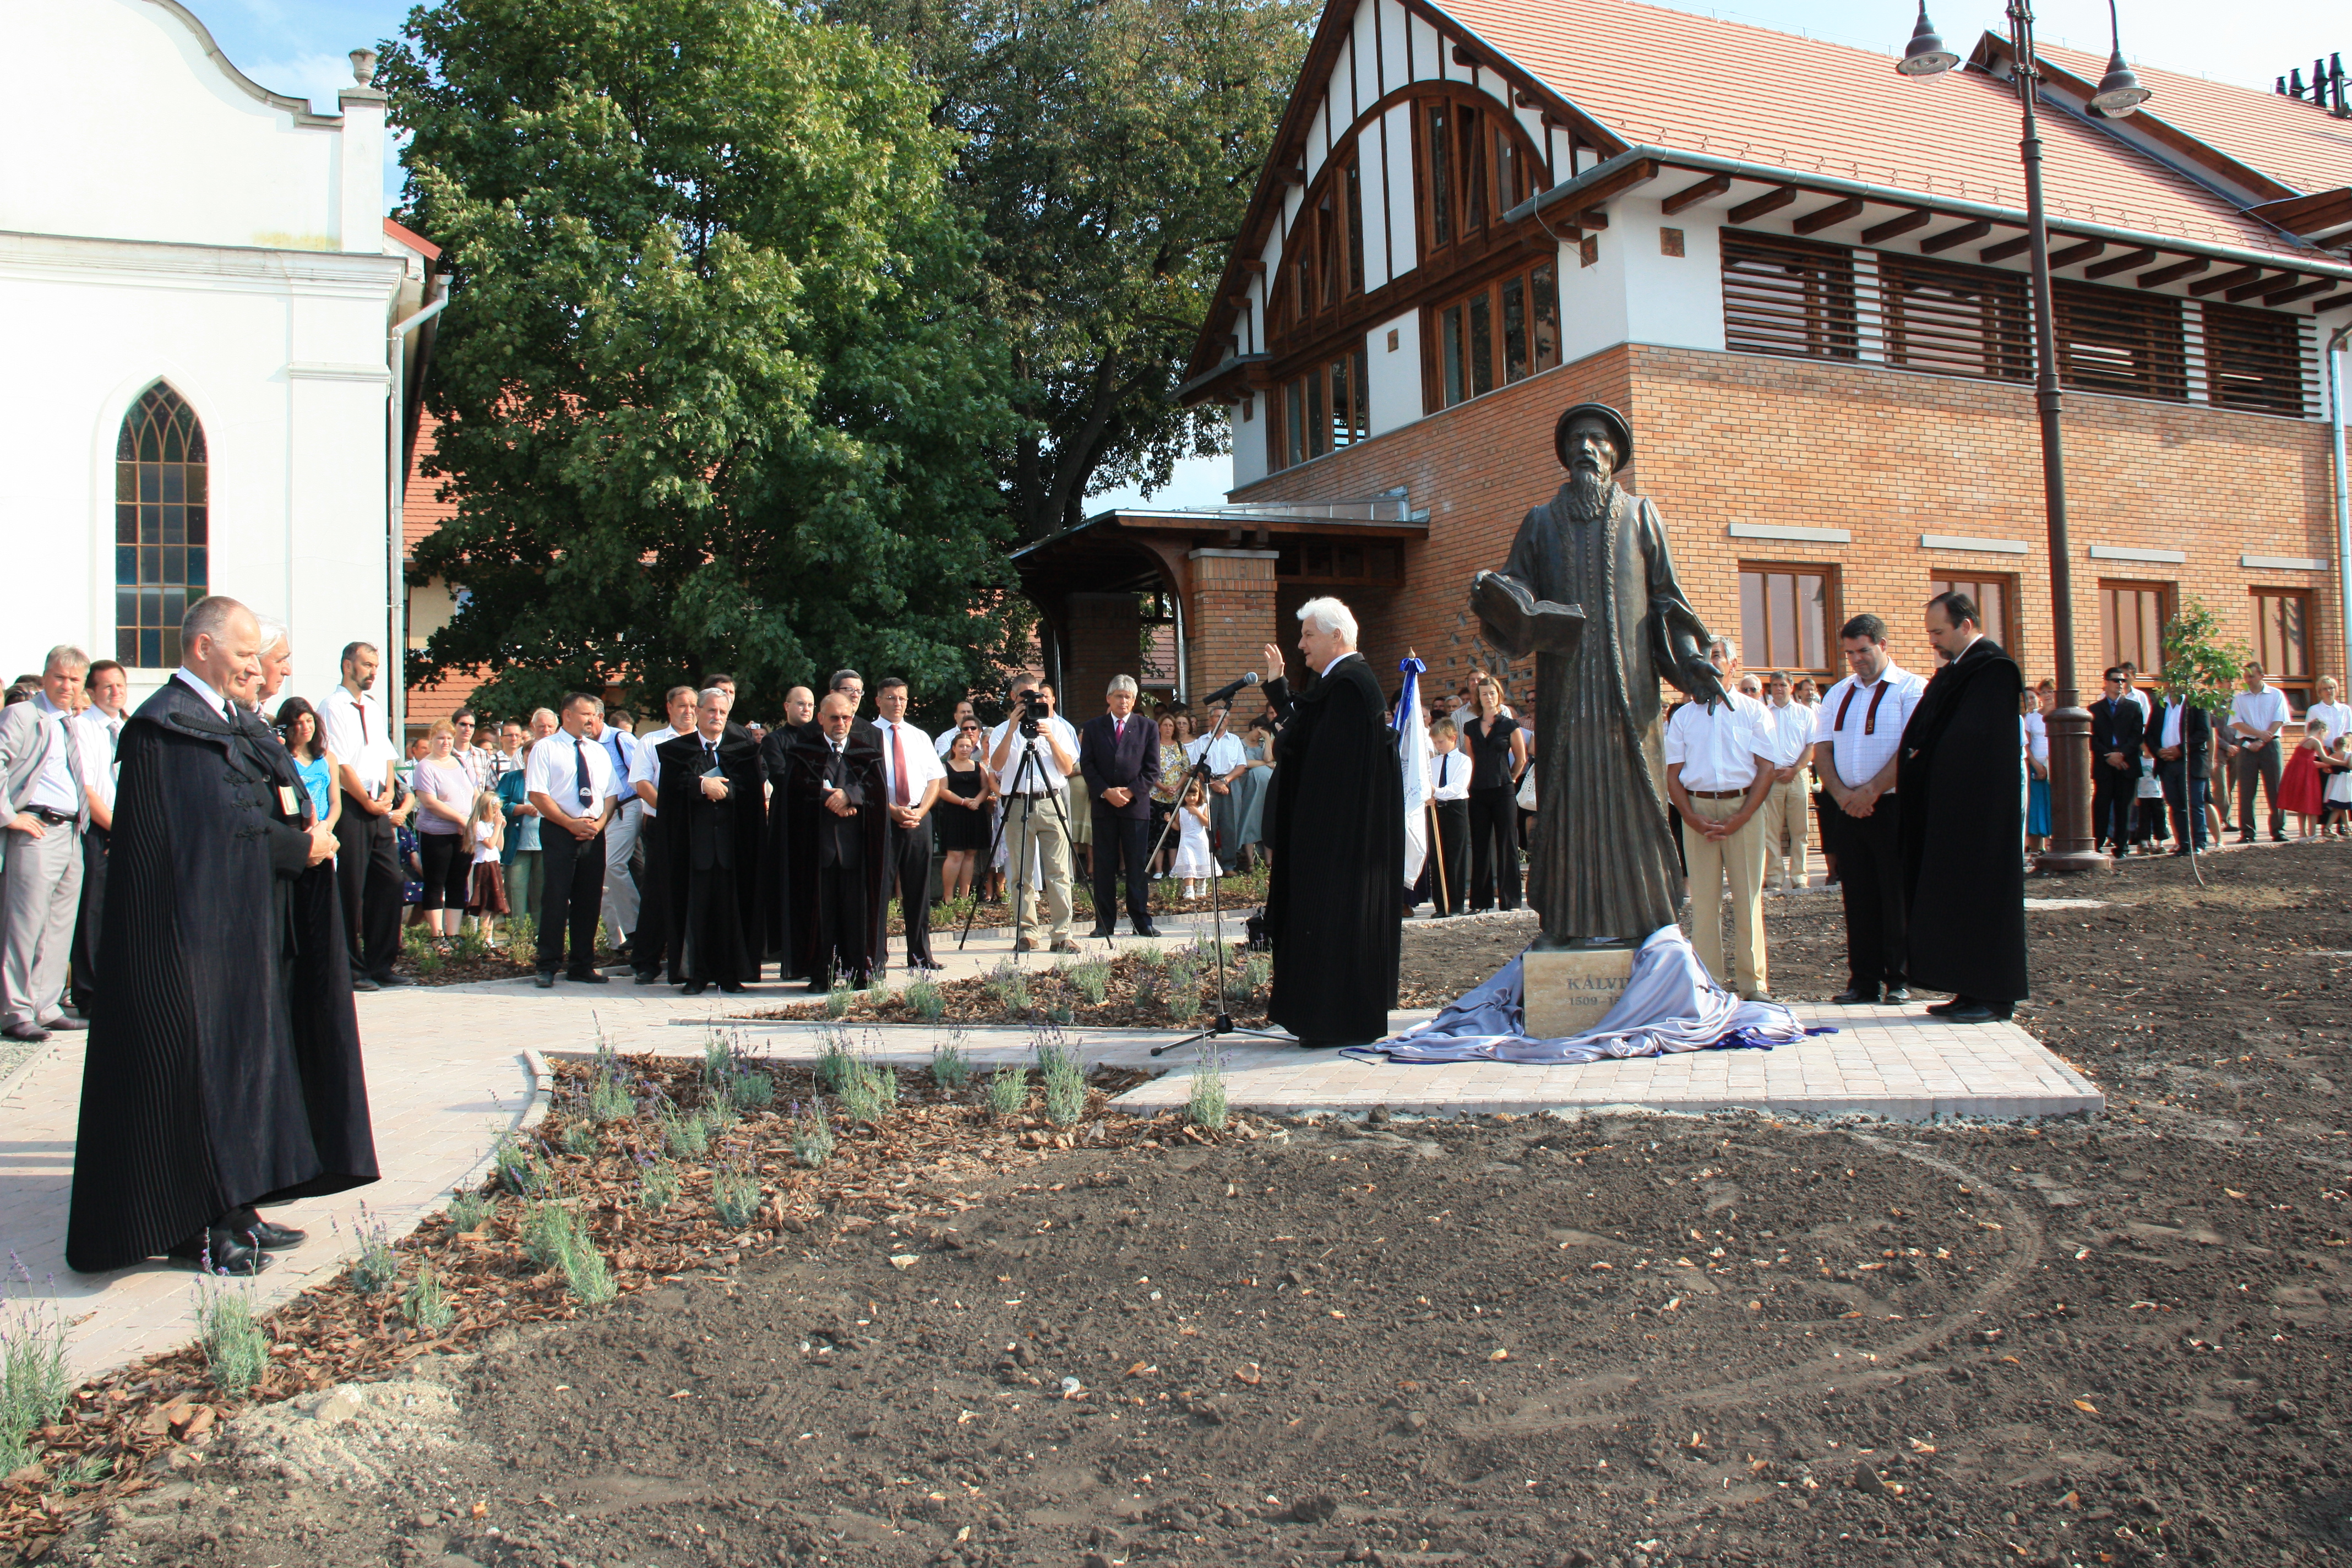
(899, 763)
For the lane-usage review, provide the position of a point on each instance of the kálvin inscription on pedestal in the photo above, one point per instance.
(1569, 992)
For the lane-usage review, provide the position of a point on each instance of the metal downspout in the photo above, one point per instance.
(396, 651)
(2334, 356)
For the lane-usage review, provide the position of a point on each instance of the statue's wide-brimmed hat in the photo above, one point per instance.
(1617, 426)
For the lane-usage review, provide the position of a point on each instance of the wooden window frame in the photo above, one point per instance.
(2110, 649)
(1304, 420)
(162, 525)
(1933, 336)
(1530, 275)
(1466, 196)
(1757, 654)
(1322, 272)
(2008, 635)
(2298, 684)
(2092, 319)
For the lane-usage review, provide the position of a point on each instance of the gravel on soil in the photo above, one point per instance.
(1621, 1339)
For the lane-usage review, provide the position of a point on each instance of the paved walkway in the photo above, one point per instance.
(451, 1067)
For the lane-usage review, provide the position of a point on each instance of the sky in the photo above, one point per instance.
(301, 47)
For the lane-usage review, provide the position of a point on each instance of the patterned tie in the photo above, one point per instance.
(580, 769)
(899, 763)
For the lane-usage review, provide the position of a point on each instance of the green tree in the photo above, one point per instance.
(2198, 664)
(1110, 148)
(716, 389)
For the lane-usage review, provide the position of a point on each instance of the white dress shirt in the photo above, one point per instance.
(354, 732)
(553, 771)
(97, 736)
(646, 769)
(1792, 731)
(1449, 774)
(1053, 771)
(1719, 746)
(2334, 715)
(1862, 742)
(2036, 731)
(1224, 753)
(2261, 710)
(923, 762)
(623, 748)
(54, 787)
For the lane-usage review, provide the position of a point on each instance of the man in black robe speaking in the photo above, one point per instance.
(1332, 909)
(1964, 821)
(193, 1106)
(709, 816)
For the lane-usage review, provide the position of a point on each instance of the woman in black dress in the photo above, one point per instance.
(1499, 754)
(963, 813)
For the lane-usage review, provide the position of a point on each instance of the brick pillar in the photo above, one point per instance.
(1230, 617)
(1106, 632)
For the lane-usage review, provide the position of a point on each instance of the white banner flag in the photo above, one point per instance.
(1412, 756)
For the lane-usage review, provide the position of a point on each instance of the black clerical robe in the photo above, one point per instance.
(1332, 909)
(709, 860)
(222, 1068)
(1963, 829)
(775, 893)
(840, 865)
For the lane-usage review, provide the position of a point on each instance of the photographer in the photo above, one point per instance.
(1036, 814)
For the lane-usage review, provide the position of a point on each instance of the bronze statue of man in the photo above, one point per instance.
(1589, 590)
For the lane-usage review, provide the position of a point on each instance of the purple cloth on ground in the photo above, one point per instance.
(1670, 1004)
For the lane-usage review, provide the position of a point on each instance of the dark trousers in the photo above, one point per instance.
(367, 872)
(1449, 858)
(2262, 764)
(86, 921)
(910, 870)
(1494, 848)
(572, 897)
(2113, 790)
(2186, 799)
(841, 924)
(1870, 875)
(1118, 838)
(653, 938)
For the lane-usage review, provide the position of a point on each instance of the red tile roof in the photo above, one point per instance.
(2292, 140)
(1698, 84)
(413, 240)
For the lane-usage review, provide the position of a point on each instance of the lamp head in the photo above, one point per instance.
(2120, 94)
(1926, 53)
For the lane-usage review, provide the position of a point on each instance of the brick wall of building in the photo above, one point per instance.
(1735, 438)
(1232, 615)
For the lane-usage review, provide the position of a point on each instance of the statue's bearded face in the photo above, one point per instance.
(1591, 463)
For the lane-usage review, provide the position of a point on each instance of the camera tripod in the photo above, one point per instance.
(1015, 789)
(1224, 1024)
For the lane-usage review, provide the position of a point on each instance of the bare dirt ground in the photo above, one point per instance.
(1624, 1339)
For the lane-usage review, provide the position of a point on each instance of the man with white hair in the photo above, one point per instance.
(1333, 908)
(45, 808)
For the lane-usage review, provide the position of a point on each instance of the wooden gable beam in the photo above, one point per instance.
(1592, 217)
(2205, 286)
(1690, 195)
(1952, 237)
(2016, 245)
(2300, 291)
(1771, 201)
(1917, 218)
(1829, 217)
(2123, 263)
(2248, 289)
(2074, 253)
(2175, 273)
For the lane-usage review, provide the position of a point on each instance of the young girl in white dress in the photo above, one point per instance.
(1192, 860)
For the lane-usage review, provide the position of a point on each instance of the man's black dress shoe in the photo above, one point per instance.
(217, 1249)
(544, 979)
(588, 977)
(1855, 996)
(648, 977)
(692, 988)
(1146, 930)
(31, 1033)
(1898, 994)
(247, 1225)
(733, 987)
(1976, 1013)
(1942, 1008)
(1101, 933)
(362, 982)
(394, 980)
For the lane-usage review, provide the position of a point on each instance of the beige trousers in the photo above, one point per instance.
(1034, 837)
(1783, 820)
(1740, 858)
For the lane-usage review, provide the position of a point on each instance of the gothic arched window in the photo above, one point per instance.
(159, 527)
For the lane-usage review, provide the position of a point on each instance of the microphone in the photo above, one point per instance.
(1222, 693)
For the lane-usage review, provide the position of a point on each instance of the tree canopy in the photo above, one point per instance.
(717, 387)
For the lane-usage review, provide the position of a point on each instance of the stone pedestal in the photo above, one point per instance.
(1569, 993)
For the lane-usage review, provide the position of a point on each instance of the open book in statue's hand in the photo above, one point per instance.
(1518, 623)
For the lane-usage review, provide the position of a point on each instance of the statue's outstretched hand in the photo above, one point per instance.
(1700, 681)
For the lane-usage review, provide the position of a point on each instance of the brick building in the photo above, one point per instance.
(1802, 279)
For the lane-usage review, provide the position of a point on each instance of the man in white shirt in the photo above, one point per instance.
(1788, 809)
(1720, 764)
(569, 779)
(367, 865)
(946, 738)
(45, 808)
(2257, 714)
(1861, 720)
(1227, 761)
(912, 776)
(1036, 812)
(98, 731)
(649, 938)
(1449, 789)
(616, 732)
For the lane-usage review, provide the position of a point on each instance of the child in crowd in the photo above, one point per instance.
(2336, 795)
(486, 895)
(1447, 871)
(2302, 787)
(1192, 860)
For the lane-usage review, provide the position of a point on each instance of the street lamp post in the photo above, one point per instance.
(2071, 841)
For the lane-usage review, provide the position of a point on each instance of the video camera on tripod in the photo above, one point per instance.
(1030, 707)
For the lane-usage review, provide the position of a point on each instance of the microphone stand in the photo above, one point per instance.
(1224, 1024)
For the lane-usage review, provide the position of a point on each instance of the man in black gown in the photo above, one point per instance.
(839, 835)
(194, 1104)
(776, 838)
(710, 811)
(1332, 909)
(1963, 821)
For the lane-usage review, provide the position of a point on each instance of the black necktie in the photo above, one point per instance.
(1442, 760)
(580, 769)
